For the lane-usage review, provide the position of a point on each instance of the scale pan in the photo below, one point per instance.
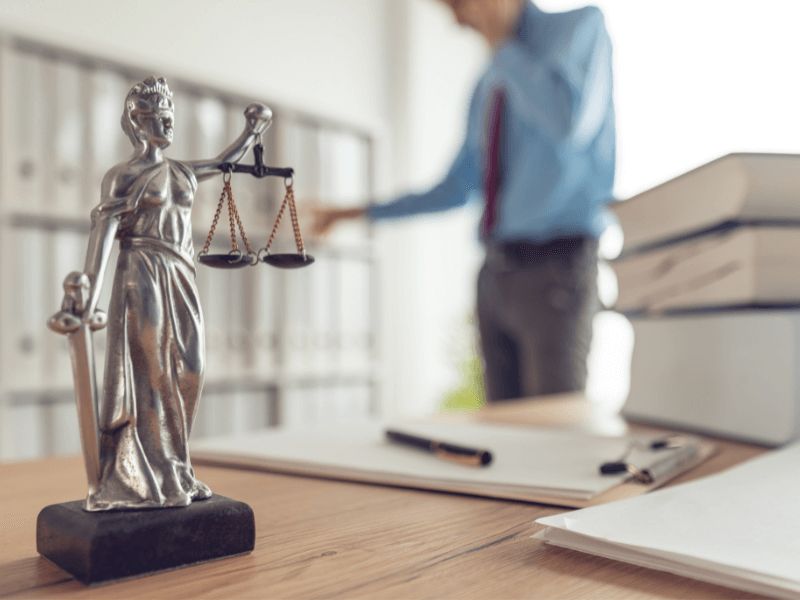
(225, 261)
(288, 261)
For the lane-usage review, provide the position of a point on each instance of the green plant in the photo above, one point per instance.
(469, 394)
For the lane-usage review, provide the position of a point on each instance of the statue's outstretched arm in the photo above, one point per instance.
(257, 118)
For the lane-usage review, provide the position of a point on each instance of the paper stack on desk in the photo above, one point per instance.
(530, 464)
(710, 277)
(738, 528)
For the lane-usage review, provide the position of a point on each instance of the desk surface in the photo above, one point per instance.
(318, 538)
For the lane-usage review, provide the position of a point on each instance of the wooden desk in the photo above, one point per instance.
(319, 538)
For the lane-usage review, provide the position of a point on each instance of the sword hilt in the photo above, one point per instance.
(71, 316)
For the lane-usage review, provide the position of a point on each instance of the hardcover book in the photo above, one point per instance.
(742, 266)
(736, 188)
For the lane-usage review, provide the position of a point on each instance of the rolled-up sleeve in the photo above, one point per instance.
(453, 191)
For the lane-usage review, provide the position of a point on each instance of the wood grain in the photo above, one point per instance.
(322, 539)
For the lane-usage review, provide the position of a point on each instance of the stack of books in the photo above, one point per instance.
(709, 275)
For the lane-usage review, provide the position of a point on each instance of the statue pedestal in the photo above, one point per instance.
(102, 546)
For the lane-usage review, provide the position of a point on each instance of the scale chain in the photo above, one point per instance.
(246, 242)
(231, 218)
(214, 223)
(298, 238)
(277, 222)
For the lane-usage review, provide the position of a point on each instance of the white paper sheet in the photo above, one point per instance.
(739, 528)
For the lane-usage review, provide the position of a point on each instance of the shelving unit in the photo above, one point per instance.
(282, 346)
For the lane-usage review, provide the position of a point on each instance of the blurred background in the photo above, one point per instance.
(369, 99)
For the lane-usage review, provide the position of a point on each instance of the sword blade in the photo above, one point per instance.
(82, 355)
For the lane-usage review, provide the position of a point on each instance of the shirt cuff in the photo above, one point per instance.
(375, 211)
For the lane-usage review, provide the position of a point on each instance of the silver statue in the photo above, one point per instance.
(135, 434)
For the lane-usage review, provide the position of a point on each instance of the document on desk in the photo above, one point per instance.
(739, 528)
(531, 464)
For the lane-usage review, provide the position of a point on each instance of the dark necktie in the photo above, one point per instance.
(492, 172)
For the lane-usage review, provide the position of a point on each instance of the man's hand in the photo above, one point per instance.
(323, 218)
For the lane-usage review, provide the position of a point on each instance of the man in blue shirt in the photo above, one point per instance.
(540, 151)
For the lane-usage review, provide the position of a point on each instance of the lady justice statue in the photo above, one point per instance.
(135, 433)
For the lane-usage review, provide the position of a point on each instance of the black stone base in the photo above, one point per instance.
(102, 546)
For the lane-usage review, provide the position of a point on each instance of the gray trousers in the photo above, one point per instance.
(536, 303)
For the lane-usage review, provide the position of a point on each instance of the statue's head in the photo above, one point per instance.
(149, 114)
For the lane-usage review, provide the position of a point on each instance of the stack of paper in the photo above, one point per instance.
(738, 528)
(531, 464)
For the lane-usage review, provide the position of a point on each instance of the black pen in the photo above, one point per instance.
(474, 457)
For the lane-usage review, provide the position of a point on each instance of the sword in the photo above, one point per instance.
(72, 321)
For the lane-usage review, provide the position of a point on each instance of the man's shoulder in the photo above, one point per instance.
(542, 29)
(557, 29)
(590, 11)
(581, 17)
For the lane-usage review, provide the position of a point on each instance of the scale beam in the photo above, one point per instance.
(258, 169)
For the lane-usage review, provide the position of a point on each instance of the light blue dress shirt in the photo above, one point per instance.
(558, 138)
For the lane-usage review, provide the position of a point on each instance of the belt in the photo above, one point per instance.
(532, 252)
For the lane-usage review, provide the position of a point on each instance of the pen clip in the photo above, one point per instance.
(615, 467)
(665, 467)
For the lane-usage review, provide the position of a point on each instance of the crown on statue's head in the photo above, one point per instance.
(150, 95)
(151, 85)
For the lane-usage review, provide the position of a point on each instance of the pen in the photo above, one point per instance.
(474, 457)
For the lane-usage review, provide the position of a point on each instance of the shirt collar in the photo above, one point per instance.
(530, 13)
